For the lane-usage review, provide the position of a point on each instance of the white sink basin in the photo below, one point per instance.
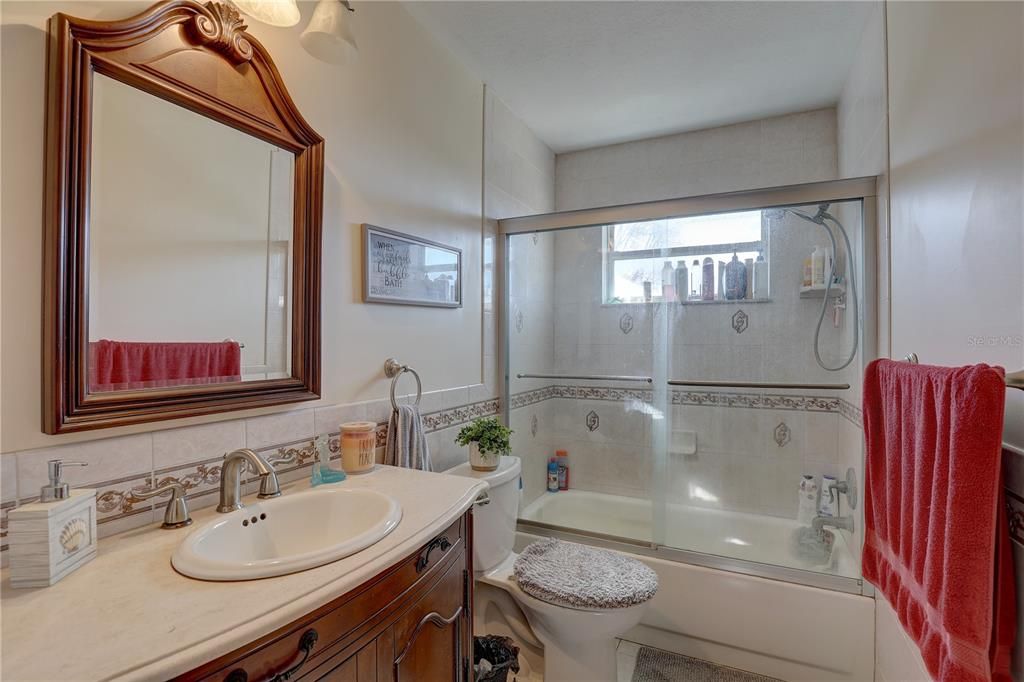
(287, 534)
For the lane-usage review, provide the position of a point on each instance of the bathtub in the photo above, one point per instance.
(767, 540)
(736, 595)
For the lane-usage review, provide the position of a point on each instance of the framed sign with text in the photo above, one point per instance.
(407, 270)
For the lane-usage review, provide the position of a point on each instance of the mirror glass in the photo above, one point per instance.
(190, 247)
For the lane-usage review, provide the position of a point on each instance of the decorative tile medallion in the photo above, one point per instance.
(740, 321)
(782, 434)
(626, 323)
(593, 421)
(519, 321)
(533, 426)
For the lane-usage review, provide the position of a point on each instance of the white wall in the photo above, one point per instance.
(403, 131)
(956, 99)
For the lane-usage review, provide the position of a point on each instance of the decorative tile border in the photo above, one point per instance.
(118, 500)
(456, 416)
(755, 401)
(530, 397)
(852, 413)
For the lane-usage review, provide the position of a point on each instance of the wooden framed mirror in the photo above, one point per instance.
(184, 197)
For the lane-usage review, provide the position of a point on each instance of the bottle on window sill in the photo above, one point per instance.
(682, 281)
(707, 280)
(668, 291)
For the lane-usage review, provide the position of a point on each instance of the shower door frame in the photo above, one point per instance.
(863, 189)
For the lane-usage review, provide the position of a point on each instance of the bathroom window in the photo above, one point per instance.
(635, 253)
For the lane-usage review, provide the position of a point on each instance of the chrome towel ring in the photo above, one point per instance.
(393, 371)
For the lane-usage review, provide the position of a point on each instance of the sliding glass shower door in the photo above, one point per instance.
(756, 414)
(579, 385)
(696, 380)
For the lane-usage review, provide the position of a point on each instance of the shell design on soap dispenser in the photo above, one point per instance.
(73, 535)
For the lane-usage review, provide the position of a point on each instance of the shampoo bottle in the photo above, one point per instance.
(695, 279)
(827, 507)
(818, 267)
(760, 277)
(552, 475)
(808, 500)
(707, 279)
(562, 457)
(682, 281)
(735, 279)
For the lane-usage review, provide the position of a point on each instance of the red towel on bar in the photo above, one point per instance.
(120, 365)
(937, 543)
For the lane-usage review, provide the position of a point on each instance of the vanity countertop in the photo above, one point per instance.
(128, 615)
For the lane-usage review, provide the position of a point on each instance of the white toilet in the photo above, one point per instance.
(579, 642)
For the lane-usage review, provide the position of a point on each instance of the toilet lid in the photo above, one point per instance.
(582, 577)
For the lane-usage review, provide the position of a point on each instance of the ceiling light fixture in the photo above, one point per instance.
(329, 35)
(273, 12)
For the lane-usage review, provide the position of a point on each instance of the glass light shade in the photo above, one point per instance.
(273, 12)
(329, 35)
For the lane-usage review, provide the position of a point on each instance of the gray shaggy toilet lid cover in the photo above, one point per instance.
(582, 577)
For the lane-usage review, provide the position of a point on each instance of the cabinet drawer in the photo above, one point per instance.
(345, 622)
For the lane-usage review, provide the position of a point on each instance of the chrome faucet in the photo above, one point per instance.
(818, 523)
(231, 479)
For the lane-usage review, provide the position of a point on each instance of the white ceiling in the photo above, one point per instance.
(585, 74)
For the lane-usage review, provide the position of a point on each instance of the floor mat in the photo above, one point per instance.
(655, 665)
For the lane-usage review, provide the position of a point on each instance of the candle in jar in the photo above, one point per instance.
(358, 444)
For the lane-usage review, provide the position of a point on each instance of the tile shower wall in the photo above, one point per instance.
(751, 448)
(782, 150)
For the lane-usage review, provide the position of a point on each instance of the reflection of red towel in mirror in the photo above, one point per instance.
(120, 365)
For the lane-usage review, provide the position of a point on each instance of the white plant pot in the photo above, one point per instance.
(478, 462)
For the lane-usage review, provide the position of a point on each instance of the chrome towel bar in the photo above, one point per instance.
(586, 377)
(1013, 379)
(758, 384)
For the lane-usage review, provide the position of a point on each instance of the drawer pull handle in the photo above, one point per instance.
(306, 644)
(437, 543)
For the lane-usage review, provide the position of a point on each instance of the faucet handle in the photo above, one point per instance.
(847, 487)
(269, 486)
(176, 514)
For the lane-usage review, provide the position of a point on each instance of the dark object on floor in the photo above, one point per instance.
(655, 665)
(494, 657)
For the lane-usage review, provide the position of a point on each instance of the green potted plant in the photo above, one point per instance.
(488, 440)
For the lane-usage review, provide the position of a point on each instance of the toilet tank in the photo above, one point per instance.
(494, 524)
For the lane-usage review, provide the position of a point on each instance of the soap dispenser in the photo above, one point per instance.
(322, 471)
(51, 538)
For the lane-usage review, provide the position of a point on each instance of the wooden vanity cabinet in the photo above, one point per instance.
(411, 623)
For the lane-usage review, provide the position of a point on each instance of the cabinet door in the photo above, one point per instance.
(360, 667)
(430, 639)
